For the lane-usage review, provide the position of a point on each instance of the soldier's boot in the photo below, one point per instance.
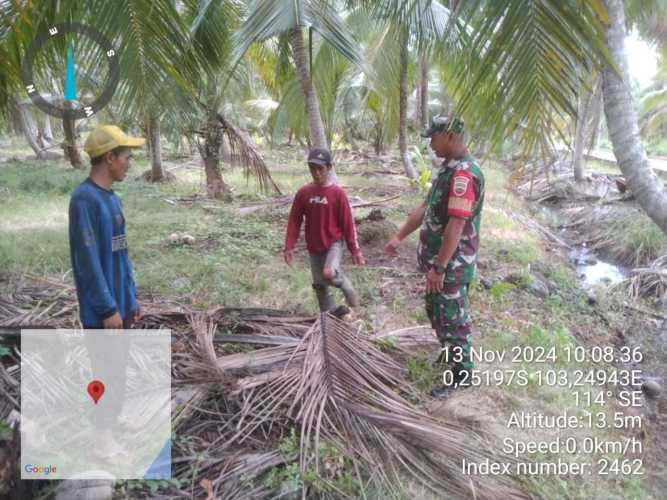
(460, 370)
(325, 300)
(343, 282)
(441, 358)
(445, 391)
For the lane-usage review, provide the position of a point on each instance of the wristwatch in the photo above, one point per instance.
(439, 268)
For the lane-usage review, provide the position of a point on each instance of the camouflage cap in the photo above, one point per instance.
(441, 123)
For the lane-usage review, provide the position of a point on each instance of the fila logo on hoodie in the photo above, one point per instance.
(321, 200)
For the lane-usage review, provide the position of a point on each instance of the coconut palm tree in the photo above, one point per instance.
(350, 98)
(585, 111)
(421, 24)
(623, 124)
(160, 60)
(269, 18)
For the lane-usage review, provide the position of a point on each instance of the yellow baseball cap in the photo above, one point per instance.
(107, 137)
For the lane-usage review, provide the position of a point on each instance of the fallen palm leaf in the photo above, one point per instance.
(649, 281)
(325, 375)
(345, 392)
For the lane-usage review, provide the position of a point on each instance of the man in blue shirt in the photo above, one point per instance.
(98, 246)
(103, 273)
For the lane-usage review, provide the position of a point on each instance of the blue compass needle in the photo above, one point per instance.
(70, 83)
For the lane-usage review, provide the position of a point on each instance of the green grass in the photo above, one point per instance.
(35, 236)
(635, 239)
(34, 223)
(422, 375)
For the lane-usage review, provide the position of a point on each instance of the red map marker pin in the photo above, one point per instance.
(96, 389)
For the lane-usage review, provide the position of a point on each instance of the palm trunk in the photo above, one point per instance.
(583, 113)
(210, 150)
(403, 109)
(69, 146)
(210, 153)
(157, 172)
(316, 130)
(596, 113)
(378, 143)
(348, 134)
(622, 123)
(28, 129)
(15, 120)
(422, 115)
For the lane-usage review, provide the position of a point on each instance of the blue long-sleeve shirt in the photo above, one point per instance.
(100, 260)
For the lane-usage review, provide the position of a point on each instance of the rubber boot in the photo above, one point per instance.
(343, 282)
(324, 299)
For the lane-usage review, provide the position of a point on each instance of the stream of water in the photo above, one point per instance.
(591, 270)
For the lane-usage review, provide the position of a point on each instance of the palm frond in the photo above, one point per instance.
(650, 18)
(204, 331)
(252, 161)
(290, 113)
(210, 24)
(15, 31)
(529, 61)
(269, 18)
(342, 389)
(428, 22)
(153, 53)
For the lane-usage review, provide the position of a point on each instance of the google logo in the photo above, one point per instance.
(40, 469)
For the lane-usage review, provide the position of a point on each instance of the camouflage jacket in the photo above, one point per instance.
(458, 190)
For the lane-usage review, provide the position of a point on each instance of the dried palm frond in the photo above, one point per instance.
(324, 374)
(232, 468)
(250, 158)
(207, 368)
(262, 321)
(344, 390)
(650, 281)
(409, 340)
(39, 302)
(9, 390)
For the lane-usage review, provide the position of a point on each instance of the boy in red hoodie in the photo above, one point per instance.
(328, 221)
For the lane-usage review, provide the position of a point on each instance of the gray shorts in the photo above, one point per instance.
(330, 258)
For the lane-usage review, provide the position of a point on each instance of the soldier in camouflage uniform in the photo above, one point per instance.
(448, 242)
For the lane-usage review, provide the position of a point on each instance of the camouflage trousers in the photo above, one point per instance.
(449, 312)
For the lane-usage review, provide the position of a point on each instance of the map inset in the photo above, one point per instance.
(95, 404)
